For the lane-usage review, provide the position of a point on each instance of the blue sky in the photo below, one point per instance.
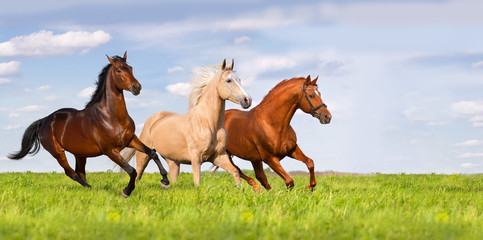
(403, 79)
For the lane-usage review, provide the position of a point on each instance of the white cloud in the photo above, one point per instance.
(86, 92)
(471, 165)
(468, 107)
(9, 68)
(477, 64)
(32, 108)
(470, 143)
(46, 43)
(41, 88)
(473, 110)
(242, 39)
(4, 81)
(14, 115)
(471, 155)
(10, 127)
(175, 69)
(181, 88)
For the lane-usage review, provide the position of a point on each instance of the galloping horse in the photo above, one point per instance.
(264, 133)
(102, 127)
(199, 135)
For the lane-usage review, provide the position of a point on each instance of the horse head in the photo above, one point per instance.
(229, 86)
(122, 74)
(311, 101)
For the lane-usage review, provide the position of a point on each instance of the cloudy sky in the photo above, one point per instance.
(403, 79)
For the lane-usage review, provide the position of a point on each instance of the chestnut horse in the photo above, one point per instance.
(199, 135)
(102, 127)
(264, 134)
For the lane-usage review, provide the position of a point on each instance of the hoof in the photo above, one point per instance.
(124, 194)
(164, 186)
(257, 188)
(238, 185)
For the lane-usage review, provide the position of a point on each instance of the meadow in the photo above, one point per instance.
(378, 206)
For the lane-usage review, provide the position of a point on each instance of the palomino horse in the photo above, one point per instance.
(199, 135)
(102, 127)
(264, 133)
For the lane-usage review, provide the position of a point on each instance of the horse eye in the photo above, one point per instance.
(311, 96)
(228, 80)
(118, 71)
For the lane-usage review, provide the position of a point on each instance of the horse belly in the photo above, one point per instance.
(168, 139)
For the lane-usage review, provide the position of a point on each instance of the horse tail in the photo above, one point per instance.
(30, 141)
(128, 153)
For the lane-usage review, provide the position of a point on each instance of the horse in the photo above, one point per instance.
(103, 127)
(264, 134)
(199, 135)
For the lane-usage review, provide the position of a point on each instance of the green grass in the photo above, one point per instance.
(51, 206)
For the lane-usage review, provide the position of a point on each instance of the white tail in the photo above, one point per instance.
(128, 153)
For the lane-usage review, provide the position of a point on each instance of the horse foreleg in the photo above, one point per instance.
(260, 174)
(224, 162)
(196, 167)
(274, 164)
(299, 155)
(80, 168)
(116, 157)
(139, 146)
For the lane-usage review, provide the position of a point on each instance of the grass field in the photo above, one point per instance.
(51, 206)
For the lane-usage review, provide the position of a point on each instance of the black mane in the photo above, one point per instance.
(100, 91)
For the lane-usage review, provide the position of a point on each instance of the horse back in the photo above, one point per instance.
(68, 128)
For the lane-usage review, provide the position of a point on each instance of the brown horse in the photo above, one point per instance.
(264, 134)
(102, 127)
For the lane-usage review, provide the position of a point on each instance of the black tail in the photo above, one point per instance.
(30, 141)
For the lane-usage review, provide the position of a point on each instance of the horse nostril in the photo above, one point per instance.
(136, 89)
(248, 101)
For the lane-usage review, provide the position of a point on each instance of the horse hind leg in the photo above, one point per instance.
(224, 162)
(249, 180)
(53, 147)
(173, 170)
(260, 174)
(80, 168)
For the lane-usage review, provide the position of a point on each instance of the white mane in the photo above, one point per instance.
(201, 77)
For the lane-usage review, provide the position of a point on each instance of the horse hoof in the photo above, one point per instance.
(124, 194)
(164, 186)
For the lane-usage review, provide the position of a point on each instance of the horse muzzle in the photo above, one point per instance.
(135, 89)
(246, 102)
(325, 118)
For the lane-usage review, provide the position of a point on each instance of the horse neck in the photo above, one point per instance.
(278, 109)
(114, 101)
(210, 109)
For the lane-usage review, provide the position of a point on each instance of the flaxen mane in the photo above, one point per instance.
(201, 77)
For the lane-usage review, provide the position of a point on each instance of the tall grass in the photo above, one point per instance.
(51, 206)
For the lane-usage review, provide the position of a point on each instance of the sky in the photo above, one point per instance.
(402, 79)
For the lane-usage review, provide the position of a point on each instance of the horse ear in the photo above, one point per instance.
(315, 81)
(110, 59)
(231, 64)
(223, 65)
(125, 56)
(307, 80)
